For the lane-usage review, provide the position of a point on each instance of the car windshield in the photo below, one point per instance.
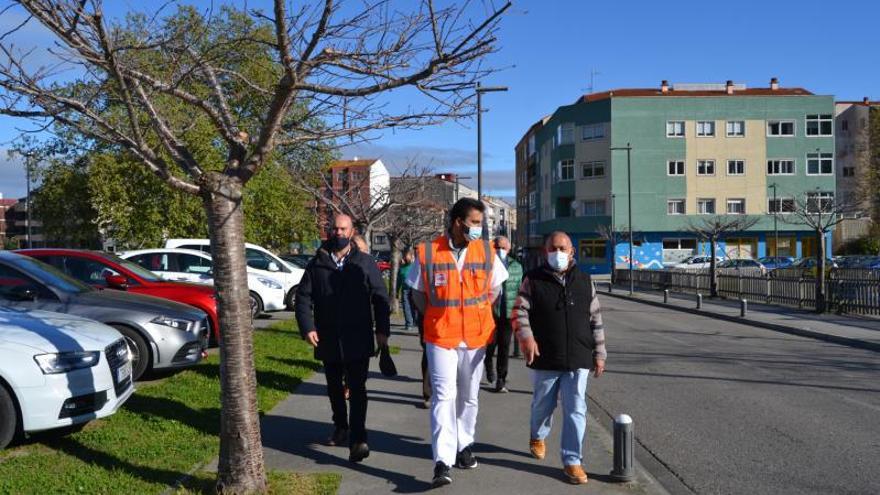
(51, 276)
(134, 268)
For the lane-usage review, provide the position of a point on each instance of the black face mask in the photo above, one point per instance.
(339, 243)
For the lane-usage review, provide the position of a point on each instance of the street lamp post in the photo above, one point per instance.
(27, 204)
(629, 208)
(480, 90)
(613, 240)
(775, 221)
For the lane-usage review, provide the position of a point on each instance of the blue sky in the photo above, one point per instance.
(549, 47)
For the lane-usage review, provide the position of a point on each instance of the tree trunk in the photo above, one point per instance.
(241, 468)
(395, 268)
(820, 272)
(713, 276)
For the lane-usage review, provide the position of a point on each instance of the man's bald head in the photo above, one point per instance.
(341, 220)
(558, 241)
(502, 242)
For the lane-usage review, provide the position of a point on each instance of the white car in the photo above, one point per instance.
(188, 265)
(695, 262)
(259, 259)
(58, 370)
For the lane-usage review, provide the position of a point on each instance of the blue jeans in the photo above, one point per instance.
(547, 386)
(407, 307)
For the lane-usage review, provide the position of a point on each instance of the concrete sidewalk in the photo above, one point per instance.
(400, 461)
(850, 330)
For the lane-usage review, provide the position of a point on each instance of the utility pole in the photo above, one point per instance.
(629, 212)
(480, 90)
(775, 222)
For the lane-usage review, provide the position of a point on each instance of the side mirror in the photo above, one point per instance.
(273, 267)
(23, 293)
(116, 281)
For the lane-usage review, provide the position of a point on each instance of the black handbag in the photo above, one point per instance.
(386, 364)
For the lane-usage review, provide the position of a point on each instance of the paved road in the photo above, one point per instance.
(733, 409)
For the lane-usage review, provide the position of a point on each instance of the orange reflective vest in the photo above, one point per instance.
(458, 307)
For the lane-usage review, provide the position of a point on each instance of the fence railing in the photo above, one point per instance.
(855, 291)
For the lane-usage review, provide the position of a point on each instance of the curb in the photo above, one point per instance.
(834, 339)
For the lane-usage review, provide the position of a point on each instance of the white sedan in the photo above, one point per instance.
(58, 370)
(189, 265)
(695, 262)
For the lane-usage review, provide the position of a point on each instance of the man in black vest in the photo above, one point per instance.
(558, 323)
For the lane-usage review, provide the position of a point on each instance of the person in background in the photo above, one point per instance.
(361, 243)
(403, 290)
(558, 322)
(419, 320)
(457, 278)
(339, 298)
(501, 312)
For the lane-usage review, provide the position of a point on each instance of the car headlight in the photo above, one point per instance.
(177, 323)
(63, 362)
(268, 282)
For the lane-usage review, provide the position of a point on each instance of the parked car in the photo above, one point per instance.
(695, 262)
(743, 265)
(810, 265)
(259, 259)
(188, 265)
(870, 263)
(774, 262)
(298, 260)
(58, 370)
(162, 334)
(857, 261)
(108, 271)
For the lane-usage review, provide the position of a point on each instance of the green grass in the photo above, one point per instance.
(165, 431)
(280, 483)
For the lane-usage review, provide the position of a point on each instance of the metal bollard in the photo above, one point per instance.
(743, 307)
(699, 301)
(623, 449)
(610, 287)
(666, 296)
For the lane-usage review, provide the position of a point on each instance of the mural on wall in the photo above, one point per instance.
(645, 255)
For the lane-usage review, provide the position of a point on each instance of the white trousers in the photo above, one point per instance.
(455, 382)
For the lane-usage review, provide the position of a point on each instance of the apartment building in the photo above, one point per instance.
(857, 136)
(695, 150)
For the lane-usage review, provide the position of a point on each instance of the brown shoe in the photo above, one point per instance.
(537, 448)
(575, 474)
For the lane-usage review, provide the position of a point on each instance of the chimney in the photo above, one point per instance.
(866, 100)
(729, 87)
(774, 84)
(664, 86)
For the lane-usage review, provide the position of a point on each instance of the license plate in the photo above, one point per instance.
(123, 372)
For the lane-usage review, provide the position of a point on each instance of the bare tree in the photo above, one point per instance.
(143, 85)
(714, 228)
(820, 212)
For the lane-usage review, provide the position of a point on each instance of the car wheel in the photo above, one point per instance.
(256, 305)
(140, 351)
(8, 417)
(290, 300)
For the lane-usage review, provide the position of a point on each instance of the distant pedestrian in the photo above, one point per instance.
(340, 297)
(403, 290)
(501, 312)
(454, 283)
(559, 326)
(361, 243)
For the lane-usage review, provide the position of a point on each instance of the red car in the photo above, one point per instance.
(108, 271)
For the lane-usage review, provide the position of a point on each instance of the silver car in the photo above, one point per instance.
(161, 333)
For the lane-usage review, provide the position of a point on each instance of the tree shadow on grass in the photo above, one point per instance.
(281, 382)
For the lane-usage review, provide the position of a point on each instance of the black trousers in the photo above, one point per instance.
(503, 333)
(354, 414)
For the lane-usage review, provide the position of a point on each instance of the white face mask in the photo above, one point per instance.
(502, 253)
(558, 260)
(474, 233)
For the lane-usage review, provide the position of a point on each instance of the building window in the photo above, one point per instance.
(780, 205)
(705, 167)
(594, 207)
(592, 170)
(820, 164)
(844, 125)
(780, 167)
(673, 243)
(736, 128)
(706, 206)
(565, 134)
(592, 251)
(705, 128)
(592, 131)
(849, 171)
(675, 167)
(820, 202)
(736, 206)
(566, 170)
(675, 207)
(532, 204)
(675, 128)
(780, 128)
(819, 125)
(530, 150)
(736, 167)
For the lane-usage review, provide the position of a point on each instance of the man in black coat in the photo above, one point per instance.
(340, 297)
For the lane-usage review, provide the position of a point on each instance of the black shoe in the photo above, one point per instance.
(501, 387)
(465, 459)
(358, 452)
(339, 437)
(490, 376)
(441, 475)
